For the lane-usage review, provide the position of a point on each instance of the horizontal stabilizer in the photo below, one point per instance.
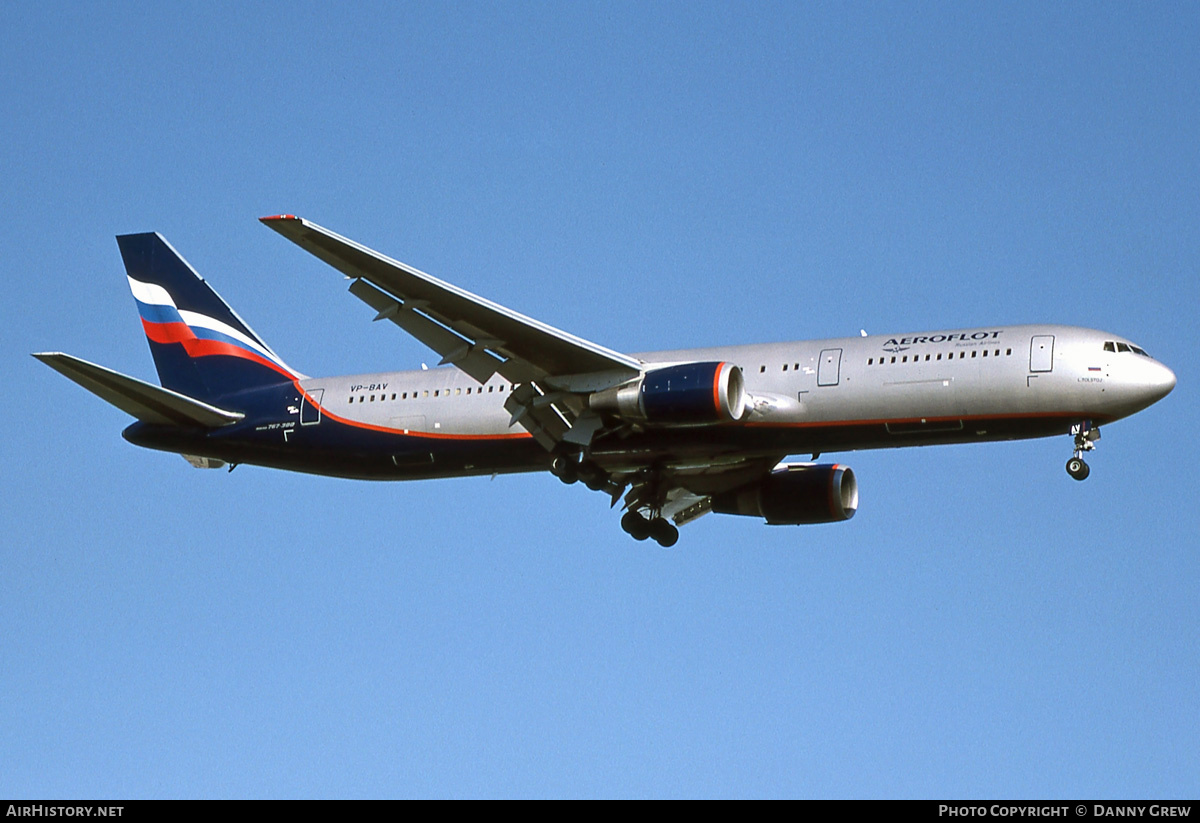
(146, 402)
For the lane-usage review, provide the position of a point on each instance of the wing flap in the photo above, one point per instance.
(465, 354)
(146, 402)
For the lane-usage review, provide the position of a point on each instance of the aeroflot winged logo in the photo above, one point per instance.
(905, 342)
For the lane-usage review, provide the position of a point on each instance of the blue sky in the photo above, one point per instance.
(646, 176)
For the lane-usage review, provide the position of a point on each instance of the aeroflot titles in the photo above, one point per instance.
(1098, 810)
(942, 338)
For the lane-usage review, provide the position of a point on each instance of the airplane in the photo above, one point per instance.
(672, 435)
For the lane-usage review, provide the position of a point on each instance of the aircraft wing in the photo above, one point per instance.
(466, 327)
(550, 369)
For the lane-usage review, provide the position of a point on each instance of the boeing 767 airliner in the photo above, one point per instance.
(673, 434)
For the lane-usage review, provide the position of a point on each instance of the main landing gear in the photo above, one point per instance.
(646, 495)
(643, 516)
(639, 528)
(570, 469)
(1086, 436)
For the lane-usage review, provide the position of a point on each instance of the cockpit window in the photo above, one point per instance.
(1113, 346)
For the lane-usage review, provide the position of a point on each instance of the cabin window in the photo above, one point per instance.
(762, 369)
(1007, 352)
(351, 398)
(785, 366)
(985, 352)
(974, 353)
(893, 358)
(870, 361)
(458, 391)
(490, 388)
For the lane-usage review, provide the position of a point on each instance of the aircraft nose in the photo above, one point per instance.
(1158, 380)
(1164, 380)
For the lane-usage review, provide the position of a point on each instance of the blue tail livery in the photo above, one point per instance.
(672, 435)
(200, 346)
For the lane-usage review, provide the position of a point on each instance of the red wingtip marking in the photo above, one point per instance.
(278, 217)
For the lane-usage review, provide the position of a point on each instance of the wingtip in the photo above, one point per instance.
(277, 217)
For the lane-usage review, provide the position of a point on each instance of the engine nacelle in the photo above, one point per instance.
(795, 494)
(689, 394)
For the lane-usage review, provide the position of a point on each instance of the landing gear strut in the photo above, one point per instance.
(1086, 436)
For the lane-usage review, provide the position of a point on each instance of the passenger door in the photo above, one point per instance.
(829, 367)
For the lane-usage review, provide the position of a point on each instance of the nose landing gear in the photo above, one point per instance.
(1086, 436)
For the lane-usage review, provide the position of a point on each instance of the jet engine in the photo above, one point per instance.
(688, 394)
(795, 494)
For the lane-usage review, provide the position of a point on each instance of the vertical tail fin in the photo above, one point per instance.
(200, 346)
